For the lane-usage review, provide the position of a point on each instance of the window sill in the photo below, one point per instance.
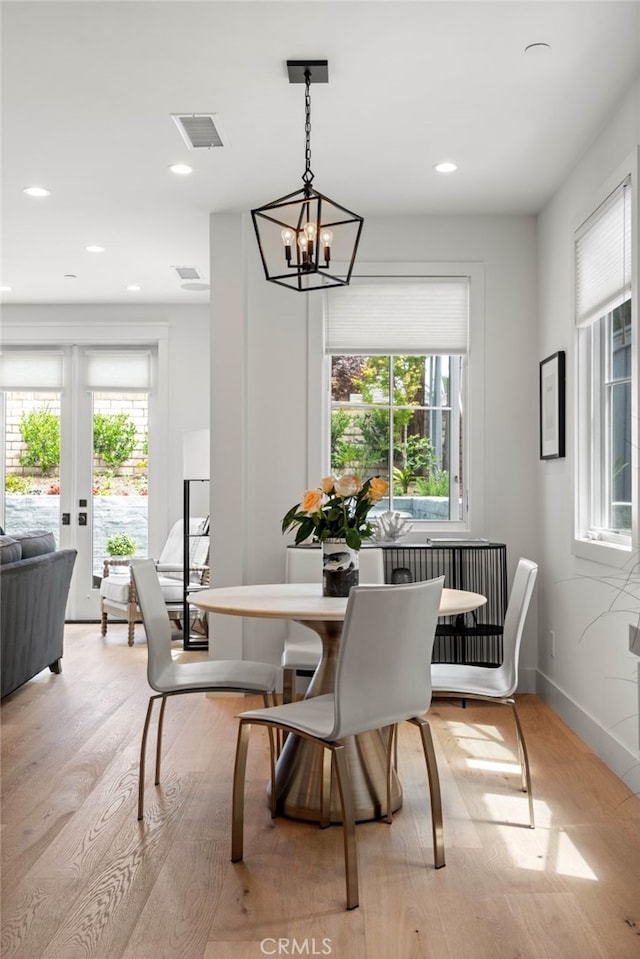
(607, 554)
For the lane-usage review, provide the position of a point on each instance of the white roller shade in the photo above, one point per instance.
(31, 370)
(126, 370)
(408, 316)
(603, 257)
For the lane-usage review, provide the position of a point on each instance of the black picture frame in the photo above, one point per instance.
(552, 406)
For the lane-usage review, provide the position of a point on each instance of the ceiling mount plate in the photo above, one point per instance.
(319, 70)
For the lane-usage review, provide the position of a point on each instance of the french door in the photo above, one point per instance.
(75, 451)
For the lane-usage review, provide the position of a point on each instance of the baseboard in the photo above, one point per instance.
(618, 757)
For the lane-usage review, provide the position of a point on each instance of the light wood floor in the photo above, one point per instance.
(81, 878)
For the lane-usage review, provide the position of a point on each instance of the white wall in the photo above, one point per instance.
(260, 382)
(186, 330)
(592, 681)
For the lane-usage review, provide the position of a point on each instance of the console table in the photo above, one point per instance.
(480, 567)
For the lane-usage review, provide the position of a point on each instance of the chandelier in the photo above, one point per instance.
(306, 240)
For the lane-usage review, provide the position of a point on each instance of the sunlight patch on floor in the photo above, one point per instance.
(545, 848)
(494, 766)
(475, 731)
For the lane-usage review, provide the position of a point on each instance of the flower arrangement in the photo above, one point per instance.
(338, 509)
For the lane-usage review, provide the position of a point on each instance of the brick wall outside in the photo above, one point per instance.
(135, 405)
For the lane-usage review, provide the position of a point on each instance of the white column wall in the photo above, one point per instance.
(260, 394)
(592, 680)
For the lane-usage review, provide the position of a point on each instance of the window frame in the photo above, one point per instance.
(319, 390)
(457, 382)
(590, 541)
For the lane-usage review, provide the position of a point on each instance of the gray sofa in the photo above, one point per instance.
(34, 585)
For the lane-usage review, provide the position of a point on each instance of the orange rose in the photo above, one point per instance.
(378, 488)
(311, 501)
(348, 485)
(327, 484)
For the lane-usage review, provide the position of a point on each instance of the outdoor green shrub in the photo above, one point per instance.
(16, 484)
(114, 438)
(121, 544)
(340, 422)
(435, 485)
(40, 432)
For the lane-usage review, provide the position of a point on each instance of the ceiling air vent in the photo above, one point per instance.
(187, 272)
(200, 131)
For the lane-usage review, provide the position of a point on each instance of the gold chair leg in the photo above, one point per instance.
(348, 825)
(143, 753)
(237, 804)
(434, 790)
(392, 763)
(273, 803)
(270, 699)
(159, 739)
(524, 762)
(325, 789)
(288, 685)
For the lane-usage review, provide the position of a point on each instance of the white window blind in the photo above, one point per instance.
(31, 370)
(127, 370)
(603, 257)
(418, 316)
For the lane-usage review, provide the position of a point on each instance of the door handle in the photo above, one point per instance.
(82, 519)
(66, 519)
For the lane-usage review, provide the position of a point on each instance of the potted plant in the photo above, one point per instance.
(121, 544)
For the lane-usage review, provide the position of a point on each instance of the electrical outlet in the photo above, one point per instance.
(552, 642)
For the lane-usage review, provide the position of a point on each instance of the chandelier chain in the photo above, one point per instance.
(307, 176)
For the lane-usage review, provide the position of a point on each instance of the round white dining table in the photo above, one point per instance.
(299, 768)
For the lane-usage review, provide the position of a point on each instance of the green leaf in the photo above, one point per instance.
(354, 541)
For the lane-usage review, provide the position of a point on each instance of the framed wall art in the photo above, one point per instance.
(552, 406)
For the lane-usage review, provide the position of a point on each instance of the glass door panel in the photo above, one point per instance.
(32, 461)
(120, 471)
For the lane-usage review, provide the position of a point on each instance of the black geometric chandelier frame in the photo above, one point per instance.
(303, 236)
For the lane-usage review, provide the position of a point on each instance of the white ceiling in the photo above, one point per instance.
(88, 89)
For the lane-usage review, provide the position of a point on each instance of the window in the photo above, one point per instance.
(605, 333)
(396, 362)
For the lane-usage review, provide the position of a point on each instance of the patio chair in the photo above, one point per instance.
(118, 591)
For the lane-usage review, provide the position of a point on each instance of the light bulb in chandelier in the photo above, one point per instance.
(310, 231)
(326, 238)
(288, 237)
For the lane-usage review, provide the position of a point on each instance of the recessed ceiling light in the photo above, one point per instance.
(181, 169)
(36, 191)
(537, 49)
(194, 287)
(5, 289)
(94, 249)
(445, 167)
(134, 288)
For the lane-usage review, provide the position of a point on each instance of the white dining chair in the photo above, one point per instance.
(302, 647)
(170, 678)
(497, 684)
(382, 678)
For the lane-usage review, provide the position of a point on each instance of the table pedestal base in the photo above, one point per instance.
(299, 778)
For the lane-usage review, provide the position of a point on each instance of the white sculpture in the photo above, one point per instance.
(390, 526)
